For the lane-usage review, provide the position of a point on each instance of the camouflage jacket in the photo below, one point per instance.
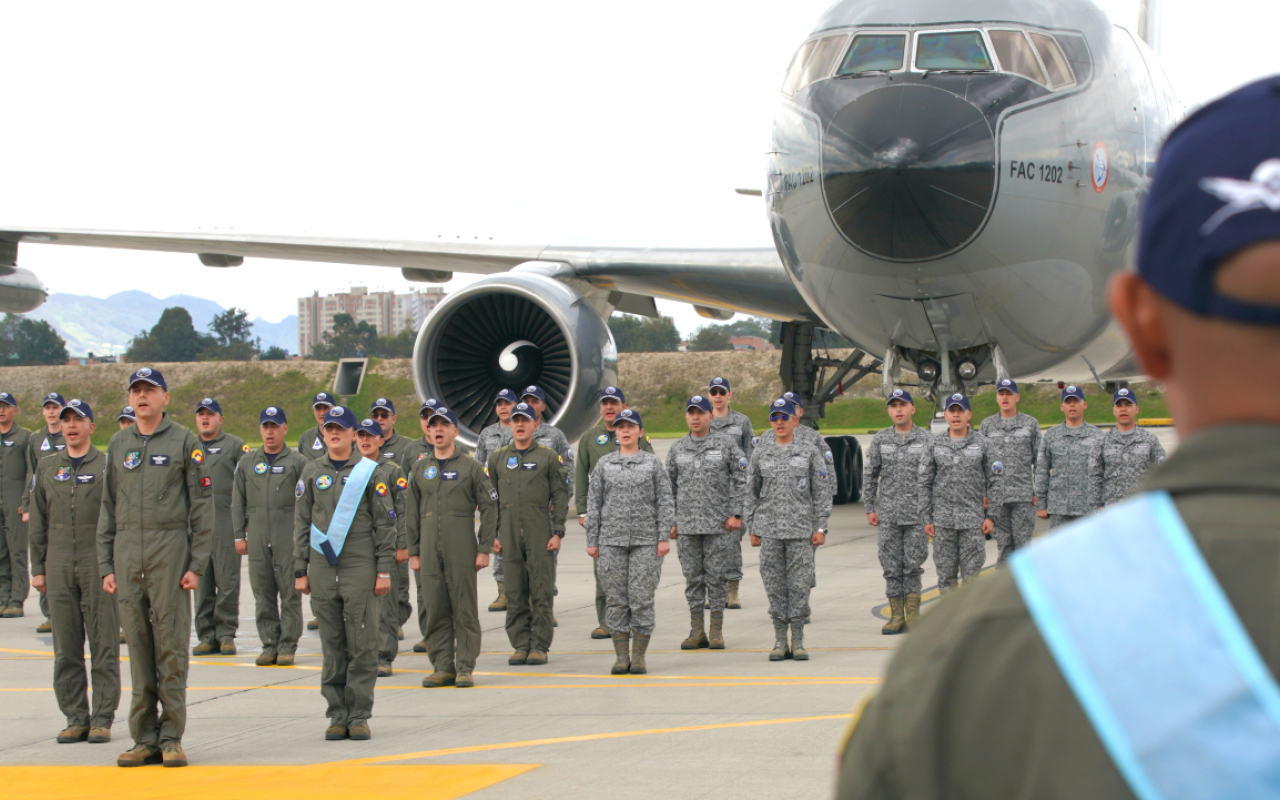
(1062, 469)
(1118, 461)
(629, 501)
(490, 439)
(708, 475)
(954, 477)
(809, 437)
(1017, 443)
(786, 494)
(737, 426)
(891, 471)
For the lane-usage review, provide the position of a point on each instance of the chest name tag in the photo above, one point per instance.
(59, 447)
(159, 461)
(735, 430)
(213, 451)
(82, 480)
(8, 443)
(684, 459)
(534, 465)
(973, 450)
(448, 476)
(344, 479)
(277, 470)
(714, 454)
(799, 461)
(1022, 432)
(388, 456)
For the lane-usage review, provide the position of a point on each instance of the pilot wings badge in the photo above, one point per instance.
(1262, 190)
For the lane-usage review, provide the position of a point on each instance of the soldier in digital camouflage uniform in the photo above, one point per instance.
(708, 475)
(491, 438)
(1016, 437)
(737, 426)
(1122, 455)
(630, 515)
(961, 469)
(262, 506)
(42, 444)
(218, 596)
(891, 473)
(1062, 466)
(14, 481)
(786, 509)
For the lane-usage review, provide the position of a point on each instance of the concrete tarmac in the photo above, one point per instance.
(722, 724)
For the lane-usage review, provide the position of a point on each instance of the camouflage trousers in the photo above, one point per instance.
(962, 549)
(733, 562)
(497, 567)
(630, 578)
(704, 560)
(1057, 520)
(1014, 524)
(903, 551)
(786, 567)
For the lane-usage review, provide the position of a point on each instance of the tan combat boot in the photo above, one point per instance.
(912, 609)
(464, 680)
(206, 649)
(621, 642)
(697, 636)
(284, 659)
(75, 733)
(716, 637)
(640, 645)
(174, 755)
(797, 642)
(335, 733)
(139, 755)
(500, 604)
(266, 658)
(438, 679)
(359, 731)
(897, 622)
(780, 650)
(99, 735)
(733, 602)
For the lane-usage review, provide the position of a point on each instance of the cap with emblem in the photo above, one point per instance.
(1007, 385)
(8, 399)
(209, 404)
(383, 403)
(505, 394)
(630, 416)
(148, 375)
(80, 407)
(126, 413)
(720, 383)
(698, 401)
(341, 416)
(440, 412)
(960, 400)
(369, 426)
(533, 391)
(1216, 193)
(525, 410)
(428, 406)
(794, 398)
(273, 415)
(613, 392)
(784, 406)
(323, 399)
(1124, 396)
(1072, 391)
(55, 399)
(900, 394)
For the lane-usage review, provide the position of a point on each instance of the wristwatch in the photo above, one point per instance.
(299, 573)
(386, 575)
(558, 533)
(737, 516)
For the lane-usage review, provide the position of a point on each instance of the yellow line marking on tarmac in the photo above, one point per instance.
(593, 737)
(48, 653)
(313, 781)
(629, 685)
(798, 678)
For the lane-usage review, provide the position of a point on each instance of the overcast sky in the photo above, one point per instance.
(548, 123)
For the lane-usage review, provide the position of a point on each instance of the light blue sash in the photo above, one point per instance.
(1155, 654)
(330, 544)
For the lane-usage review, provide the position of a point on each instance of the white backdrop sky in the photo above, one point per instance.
(549, 123)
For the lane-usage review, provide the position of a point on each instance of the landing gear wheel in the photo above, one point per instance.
(842, 463)
(855, 449)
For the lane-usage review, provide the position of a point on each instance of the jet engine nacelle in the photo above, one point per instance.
(20, 290)
(510, 331)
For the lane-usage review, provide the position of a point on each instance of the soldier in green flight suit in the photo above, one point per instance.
(398, 450)
(369, 438)
(218, 595)
(66, 499)
(344, 528)
(595, 443)
(155, 532)
(262, 504)
(43, 443)
(533, 498)
(14, 479)
(410, 453)
(445, 490)
(311, 442)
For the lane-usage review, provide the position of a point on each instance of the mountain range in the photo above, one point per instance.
(104, 326)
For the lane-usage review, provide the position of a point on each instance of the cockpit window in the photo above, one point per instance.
(1016, 55)
(875, 53)
(952, 50)
(792, 81)
(1054, 61)
(824, 55)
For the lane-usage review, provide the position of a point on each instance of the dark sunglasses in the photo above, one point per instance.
(776, 417)
(717, 392)
(381, 414)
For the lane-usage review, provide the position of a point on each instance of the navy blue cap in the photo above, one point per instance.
(533, 391)
(783, 405)
(1072, 391)
(524, 410)
(445, 414)
(369, 426)
(698, 401)
(148, 375)
(1216, 191)
(427, 406)
(323, 399)
(209, 404)
(957, 399)
(1008, 384)
(339, 415)
(272, 414)
(613, 392)
(720, 383)
(506, 394)
(53, 397)
(383, 403)
(80, 407)
(127, 413)
(8, 399)
(900, 394)
(1124, 394)
(628, 415)
(794, 398)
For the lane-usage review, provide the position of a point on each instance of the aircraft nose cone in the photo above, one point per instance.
(908, 172)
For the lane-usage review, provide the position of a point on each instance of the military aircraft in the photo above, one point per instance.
(950, 186)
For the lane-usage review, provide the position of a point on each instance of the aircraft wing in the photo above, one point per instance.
(750, 281)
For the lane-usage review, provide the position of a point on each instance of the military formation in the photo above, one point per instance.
(117, 540)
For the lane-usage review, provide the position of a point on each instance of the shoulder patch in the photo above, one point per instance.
(197, 456)
(402, 483)
(742, 463)
(244, 448)
(381, 489)
(299, 489)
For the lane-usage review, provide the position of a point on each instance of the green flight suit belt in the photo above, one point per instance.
(1175, 689)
